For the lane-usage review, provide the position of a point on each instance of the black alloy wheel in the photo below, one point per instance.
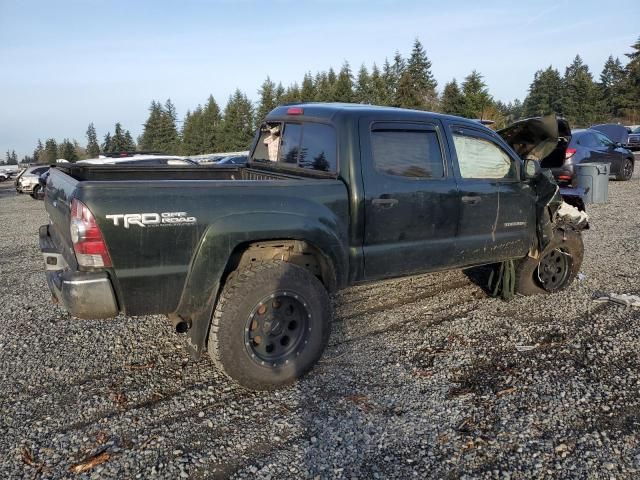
(553, 269)
(277, 329)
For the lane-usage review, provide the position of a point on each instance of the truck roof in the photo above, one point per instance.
(330, 112)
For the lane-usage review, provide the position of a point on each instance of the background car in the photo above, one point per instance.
(4, 176)
(27, 180)
(590, 145)
(145, 159)
(633, 141)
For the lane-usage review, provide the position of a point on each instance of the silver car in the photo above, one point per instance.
(27, 179)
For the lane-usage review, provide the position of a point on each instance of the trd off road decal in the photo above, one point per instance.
(151, 219)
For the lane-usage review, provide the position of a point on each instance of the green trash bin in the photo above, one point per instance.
(594, 178)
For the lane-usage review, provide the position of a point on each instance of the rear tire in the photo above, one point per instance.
(534, 276)
(270, 326)
(626, 172)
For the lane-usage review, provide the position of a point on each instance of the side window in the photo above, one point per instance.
(588, 140)
(604, 140)
(290, 143)
(407, 153)
(318, 151)
(482, 159)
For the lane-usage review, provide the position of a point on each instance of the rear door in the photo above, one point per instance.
(411, 207)
(497, 214)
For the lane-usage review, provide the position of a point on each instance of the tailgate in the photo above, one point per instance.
(58, 195)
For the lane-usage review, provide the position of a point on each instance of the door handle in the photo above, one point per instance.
(471, 199)
(384, 202)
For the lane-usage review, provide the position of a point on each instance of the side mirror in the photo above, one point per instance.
(532, 168)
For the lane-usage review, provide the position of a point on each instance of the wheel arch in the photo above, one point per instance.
(227, 244)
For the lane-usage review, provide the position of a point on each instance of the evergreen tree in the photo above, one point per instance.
(633, 81)
(210, 124)
(192, 141)
(332, 78)
(279, 93)
(580, 94)
(343, 86)
(378, 89)
(612, 87)
(416, 85)
(323, 88)
(267, 100)
(545, 94)
(151, 131)
(476, 95)
(129, 143)
(160, 132)
(38, 153)
(292, 94)
(363, 91)
(237, 124)
(50, 153)
(390, 83)
(118, 140)
(452, 101)
(67, 150)
(93, 149)
(107, 145)
(308, 89)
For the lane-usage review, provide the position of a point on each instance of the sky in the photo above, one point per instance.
(64, 63)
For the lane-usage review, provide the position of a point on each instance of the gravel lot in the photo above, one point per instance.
(422, 379)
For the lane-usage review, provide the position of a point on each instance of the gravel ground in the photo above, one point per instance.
(422, 379)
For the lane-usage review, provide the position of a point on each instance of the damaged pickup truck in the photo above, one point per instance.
(243, 258)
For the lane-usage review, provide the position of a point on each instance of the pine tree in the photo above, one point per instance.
(416, 85)
(267, 100)
(93, 149)
(452, 101)
(279, 93)
(363, 91)
(633, 81)
(192, 132)
(323, 88)
(545, 94)
(107, 145)
(38, 153)
(67, 150)
(580, 94)
(476, 95)
(343, 86)
(210, 123)
(118, 141)
(378, 89)
(50, 153)
(308, 89)
(237, 124)
(292, 94)
(150, 134)
(612, 87)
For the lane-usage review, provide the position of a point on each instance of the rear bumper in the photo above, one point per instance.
(82, 294)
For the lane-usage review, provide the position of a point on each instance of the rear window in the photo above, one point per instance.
(407, 153)
(311, 146)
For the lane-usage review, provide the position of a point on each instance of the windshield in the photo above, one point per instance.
(636, 130)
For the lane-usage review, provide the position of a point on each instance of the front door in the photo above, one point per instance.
(411, 204)
(497, 209)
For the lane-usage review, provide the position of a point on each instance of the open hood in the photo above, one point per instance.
(535, 137)
(617, 133)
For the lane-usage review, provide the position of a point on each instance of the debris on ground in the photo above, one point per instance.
(622, 299)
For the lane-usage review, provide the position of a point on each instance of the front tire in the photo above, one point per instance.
(35, 192)
(555, 269)
(270, 326)
(626, 172)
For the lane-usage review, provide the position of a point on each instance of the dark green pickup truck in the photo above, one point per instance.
(243, 258)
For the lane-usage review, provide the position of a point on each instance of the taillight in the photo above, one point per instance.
(91, 251)
(295, 111)
(569, 153)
